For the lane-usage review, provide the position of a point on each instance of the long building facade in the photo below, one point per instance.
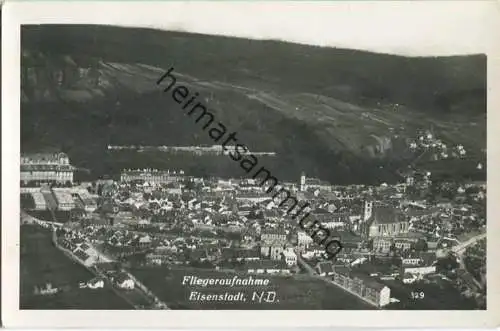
(46, 168)
(363, 287)
(151, 176)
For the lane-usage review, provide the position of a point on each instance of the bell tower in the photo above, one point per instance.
(302, 182)
(368, 210)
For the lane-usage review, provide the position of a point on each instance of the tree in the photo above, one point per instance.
(432, 193)
(446, 264)
(369, 244)
(99, 189)
(421, 245)
(76, 213)
(188, 184)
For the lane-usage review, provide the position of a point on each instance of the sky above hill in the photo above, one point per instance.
(414, 28)
(419, 28)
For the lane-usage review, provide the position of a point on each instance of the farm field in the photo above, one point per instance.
(42, 263)
(291, 293)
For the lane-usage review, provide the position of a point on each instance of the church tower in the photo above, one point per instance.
(368, 211)
(302, 182)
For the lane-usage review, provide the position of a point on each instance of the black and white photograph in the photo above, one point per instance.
(185, 166)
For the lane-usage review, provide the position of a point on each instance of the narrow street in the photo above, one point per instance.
(140, 297)
(460, 248)
(459, 251)
(310, 270)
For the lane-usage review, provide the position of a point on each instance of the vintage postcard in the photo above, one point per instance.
(210, 164)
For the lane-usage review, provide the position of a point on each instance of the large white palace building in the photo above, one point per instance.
(46, 167)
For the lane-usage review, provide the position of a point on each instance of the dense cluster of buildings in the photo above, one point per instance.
(167, 217)
(428, 142)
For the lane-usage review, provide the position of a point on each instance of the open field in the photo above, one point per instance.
(42, 262)
(291, 293)
(440, 296)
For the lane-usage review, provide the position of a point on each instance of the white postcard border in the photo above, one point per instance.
(17, 13)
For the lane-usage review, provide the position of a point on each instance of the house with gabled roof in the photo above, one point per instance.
(124, 281)
(325, 268)
(95, 283)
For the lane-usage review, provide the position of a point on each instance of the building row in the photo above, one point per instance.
(64, 199)
(361, 285)
(151, 176)
(46, 168)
